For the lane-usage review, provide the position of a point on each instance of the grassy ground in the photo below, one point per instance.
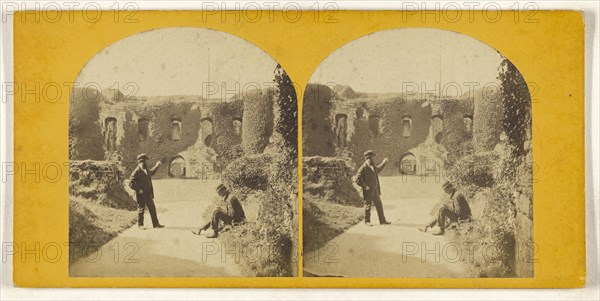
(331, 203)
(91, 225)
(323, 220)
(261, 256)
(267, 251)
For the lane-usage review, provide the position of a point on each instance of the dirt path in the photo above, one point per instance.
(396, 250)
(169, 252)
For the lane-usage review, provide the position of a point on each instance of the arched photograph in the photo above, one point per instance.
(183, 159)
(417, 160)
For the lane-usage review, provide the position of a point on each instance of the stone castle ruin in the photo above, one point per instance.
(416, 133)
(193, 137)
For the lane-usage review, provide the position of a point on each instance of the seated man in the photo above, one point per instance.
(233, 214)
(454, 207)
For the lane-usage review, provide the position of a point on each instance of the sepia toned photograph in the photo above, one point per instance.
(417, 160)
(306, 148)
(183, 159)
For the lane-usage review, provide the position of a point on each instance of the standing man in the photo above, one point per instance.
(141, 182)
(233, 213)
(454, 208)
(368, 179)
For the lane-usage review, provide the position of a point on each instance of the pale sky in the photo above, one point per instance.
(174, 61)
(382, 61)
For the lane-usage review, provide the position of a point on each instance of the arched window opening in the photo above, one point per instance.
(406, 127)
(408, 164)
(341, 129)
(374, 125)
(206, 125)
(437, 128)
(237, 126)
(110, 134)
(143, 125)
(175, 129)
(468, 121)
(177, 167)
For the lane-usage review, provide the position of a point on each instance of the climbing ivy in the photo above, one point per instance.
(517, 105)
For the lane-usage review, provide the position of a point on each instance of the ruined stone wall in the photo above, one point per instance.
(457, 138)
(163, 141)
(389, 127)
(199, 136)
(389, 124)
(228, 131)
(524, 265)
(85, 130)
(317, 125)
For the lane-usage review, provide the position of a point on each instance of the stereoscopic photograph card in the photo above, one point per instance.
(338, 149)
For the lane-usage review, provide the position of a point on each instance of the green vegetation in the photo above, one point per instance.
(258, 120)
(330, 203)
(475, 172)
(328, 178)
(92, 225)
(287, 123)
(493, 231)
(517, 102)
(487, 126)
(499, 181)
(322, 221)
(101, 182)
(248, 174)
(99, 206)
(268, 179)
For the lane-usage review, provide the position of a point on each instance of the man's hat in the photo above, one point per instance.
(369, 153)
(142, 156)
(446, 184)
(221, 187)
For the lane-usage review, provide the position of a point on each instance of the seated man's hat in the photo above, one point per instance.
(142, 156)
(446, 184)
(221, 187)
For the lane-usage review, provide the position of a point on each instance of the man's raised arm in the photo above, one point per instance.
(382, 165)
(154, 169)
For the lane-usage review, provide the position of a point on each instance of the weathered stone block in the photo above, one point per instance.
(525, 248)
(524, 205)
